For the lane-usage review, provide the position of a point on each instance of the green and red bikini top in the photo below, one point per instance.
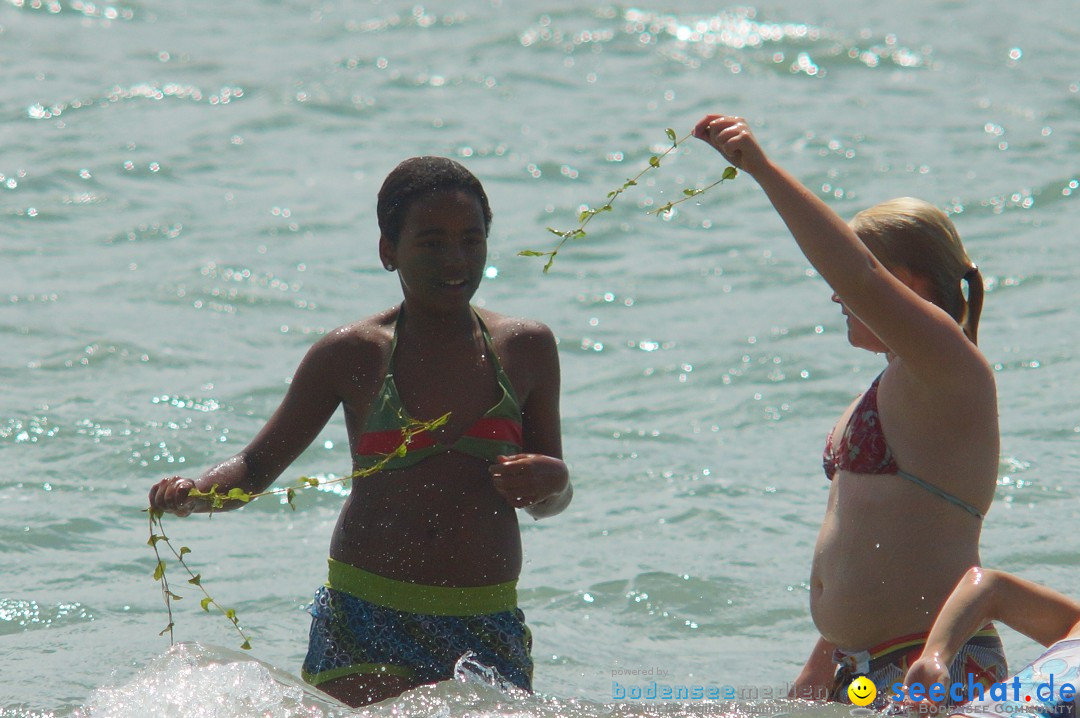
(497, 433)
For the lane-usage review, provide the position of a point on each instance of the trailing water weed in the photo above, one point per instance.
(217, 501)
(587, 214)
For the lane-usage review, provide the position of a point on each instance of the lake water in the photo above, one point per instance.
(188, 193)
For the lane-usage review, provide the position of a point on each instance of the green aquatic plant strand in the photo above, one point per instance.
(586, 215)
(691, 192)
(157, 535)
(217, 501)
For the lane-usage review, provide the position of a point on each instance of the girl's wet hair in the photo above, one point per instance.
(420, 177)
(915, 235)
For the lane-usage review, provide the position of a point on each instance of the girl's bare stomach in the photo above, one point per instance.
(887, 557)
(437, 523)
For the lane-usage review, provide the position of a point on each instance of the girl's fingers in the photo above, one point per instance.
(171, 495)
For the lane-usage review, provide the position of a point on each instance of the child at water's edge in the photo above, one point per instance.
(426, 553)
(913, 462)
(1047, 686)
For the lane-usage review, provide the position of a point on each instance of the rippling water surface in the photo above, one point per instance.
(187, 197)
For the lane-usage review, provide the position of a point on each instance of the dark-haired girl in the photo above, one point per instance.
(913, 462)
(426, 554)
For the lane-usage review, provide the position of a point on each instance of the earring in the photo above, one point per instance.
(389, 267)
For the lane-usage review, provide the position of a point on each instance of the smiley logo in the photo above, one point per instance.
(862, 691)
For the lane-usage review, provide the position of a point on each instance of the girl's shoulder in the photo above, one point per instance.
(971, 383)
(367, 339)
(525, 340)
(527, 350)
(515, 329)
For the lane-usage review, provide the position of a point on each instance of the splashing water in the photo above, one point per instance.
(195, 681)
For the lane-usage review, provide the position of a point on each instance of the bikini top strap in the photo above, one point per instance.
(937, 491)
(500, 373)
(393, 342)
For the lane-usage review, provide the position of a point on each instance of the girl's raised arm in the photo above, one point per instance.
(930, 342)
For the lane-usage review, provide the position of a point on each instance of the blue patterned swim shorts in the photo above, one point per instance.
(363, 623)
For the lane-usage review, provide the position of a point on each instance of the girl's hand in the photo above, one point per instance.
(171, 496)
(524, 480)
(731, 136)
(926, 671)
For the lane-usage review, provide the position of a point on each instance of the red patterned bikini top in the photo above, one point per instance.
(862, 449)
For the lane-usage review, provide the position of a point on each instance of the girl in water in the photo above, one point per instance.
(426, 553)
(913, 462)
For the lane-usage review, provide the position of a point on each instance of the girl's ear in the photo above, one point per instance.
(387, 253)
(919, 285)
(903, 274)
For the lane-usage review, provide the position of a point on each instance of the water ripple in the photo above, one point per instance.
(141, 91)
(86, 9)
(17, 615)
(796, 47)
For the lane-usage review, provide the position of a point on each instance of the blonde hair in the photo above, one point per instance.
(908, 233)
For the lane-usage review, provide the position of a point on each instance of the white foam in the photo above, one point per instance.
(195, 681)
